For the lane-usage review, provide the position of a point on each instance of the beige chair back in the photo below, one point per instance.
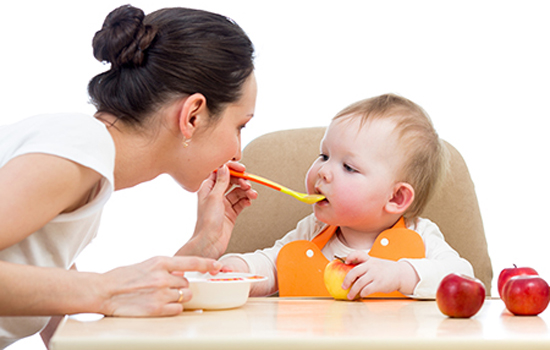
(285, 156)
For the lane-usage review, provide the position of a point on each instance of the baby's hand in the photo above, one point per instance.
(227, 268)
(357, 257)
(378, 275)
(233, 264)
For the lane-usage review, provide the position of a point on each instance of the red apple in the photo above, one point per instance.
(508, 273)
(526, 295)
(460, 296)
(334, 275)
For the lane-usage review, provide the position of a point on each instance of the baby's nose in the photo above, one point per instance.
(324, 174)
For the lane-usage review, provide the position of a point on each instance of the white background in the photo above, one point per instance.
(480, 68)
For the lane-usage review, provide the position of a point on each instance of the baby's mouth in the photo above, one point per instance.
(322, 194)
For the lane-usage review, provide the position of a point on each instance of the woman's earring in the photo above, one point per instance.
(185, 142)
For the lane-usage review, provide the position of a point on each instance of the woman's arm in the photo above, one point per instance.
(150, 288)
(37, 187)
(47, 332)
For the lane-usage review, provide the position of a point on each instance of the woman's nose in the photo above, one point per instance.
(239, 155)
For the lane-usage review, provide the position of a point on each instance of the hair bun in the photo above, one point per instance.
(123, 39)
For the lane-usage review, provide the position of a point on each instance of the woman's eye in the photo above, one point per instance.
(323, 157)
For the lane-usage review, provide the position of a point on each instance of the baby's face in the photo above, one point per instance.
(356, 171)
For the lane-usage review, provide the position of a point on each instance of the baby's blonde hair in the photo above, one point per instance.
(425, 155)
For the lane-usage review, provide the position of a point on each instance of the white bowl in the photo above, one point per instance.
(221, 291)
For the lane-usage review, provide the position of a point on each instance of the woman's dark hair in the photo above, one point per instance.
(169, 53)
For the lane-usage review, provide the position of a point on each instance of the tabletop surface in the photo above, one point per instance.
(320, 323)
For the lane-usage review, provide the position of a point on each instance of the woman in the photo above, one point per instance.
(179, 90)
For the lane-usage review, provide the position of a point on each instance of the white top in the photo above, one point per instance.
(83, 140)
(440, 259)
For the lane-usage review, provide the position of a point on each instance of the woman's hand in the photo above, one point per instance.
(155, 287)
(220, 200)
(150, 288)
(373, 275)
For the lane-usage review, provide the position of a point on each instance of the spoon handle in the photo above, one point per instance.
(258, 179)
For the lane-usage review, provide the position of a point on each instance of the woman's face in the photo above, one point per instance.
(216, 144)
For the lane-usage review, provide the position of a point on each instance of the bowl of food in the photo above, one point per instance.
(220, 291)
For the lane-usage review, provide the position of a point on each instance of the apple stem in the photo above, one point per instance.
(339, 258)
(515, 266)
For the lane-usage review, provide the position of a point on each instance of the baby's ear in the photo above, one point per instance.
(402, 198)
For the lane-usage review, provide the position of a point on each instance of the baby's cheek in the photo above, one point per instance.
(310, 180)
(348, 205)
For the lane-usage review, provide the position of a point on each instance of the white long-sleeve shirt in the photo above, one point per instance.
(440, 259)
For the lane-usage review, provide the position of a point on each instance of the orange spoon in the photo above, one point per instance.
(306, 198)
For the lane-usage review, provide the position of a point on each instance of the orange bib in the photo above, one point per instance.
(301, 264)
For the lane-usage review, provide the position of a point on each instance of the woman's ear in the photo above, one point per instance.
(192, 114)
(402, 198)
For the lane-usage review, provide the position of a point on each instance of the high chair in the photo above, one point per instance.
(285, 156)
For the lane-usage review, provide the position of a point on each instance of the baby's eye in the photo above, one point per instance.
(323, 157)
(348, 168)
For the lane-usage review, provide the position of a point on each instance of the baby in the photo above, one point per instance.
(381, 160)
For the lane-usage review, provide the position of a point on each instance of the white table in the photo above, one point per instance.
(300, 323)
